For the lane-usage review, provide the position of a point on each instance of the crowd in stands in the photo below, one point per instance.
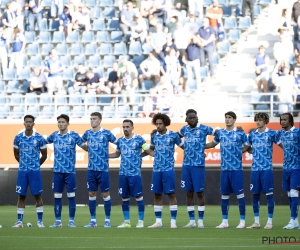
(126, 47)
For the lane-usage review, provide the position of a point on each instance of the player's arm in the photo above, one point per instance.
(115, 154)
(147, 150)
(16, 154)
(279, 145)
(249, 150)
(180, 135)
(210, 145)
(246, 148)
(151, 149)
(84, 147)
(44, 156)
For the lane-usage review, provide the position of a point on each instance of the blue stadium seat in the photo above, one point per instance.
(30, 36)
(3, 99)
(92, 109)
(75, 99)
(204, 72)
(90, 3)
(109, 12)
(223, 47)
(264, 2)
(34, 111)
(53, 25)
(3, 3)
(90, 99)
(90, 49)
(234, 35)
(123, 111)
(60, 99)
(113, 24)
(94, 61)
(9, 75)
(18, 112)
(116, 36)
(44, 37)
(66, 60)
(216, 59)
(32, 49)
(47, 3)
(136, 110)
(35, 61)
(45, 98)
(105, 49)
(257, 9)
(44, 25)
(77, 112)
(108, 61)
(62, 49)
(99, 70)
(4, 111)
(236, 2)
(68, 74)
(47, 112)
(2, 86)
(238, 10)
(58, 37)
(147, 48)
(25, 60)
(108, 111)
(102, 37)
(25, 86)
(230, 23)
(46, 48)
(79, 60)
(227, 10)
(95, 13)
(73, 37)
(147, 85)
(105, 99)
(98, 24)
(16, 98)
(87, 37)
(76, 49)
(120, 49)
(244, 22)
(135, 48)
(207, 2)
(24, 74)
(246, 110)
(106, 3)
(223, 2)
(137, 60)
(63, 110)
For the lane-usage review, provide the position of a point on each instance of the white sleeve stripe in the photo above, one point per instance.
(43, 147)
(16, 147)
(181, 143)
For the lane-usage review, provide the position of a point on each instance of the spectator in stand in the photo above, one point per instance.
(169, 45)
(95, 84)
(171, 25)
(149, 106)
(165, 103)
(295, 18)
(123, 65)
(283, 50)
(278, 72)
(163, 84)
(79, 85)
(163, 8)
(35, 14)
(147, 8)
(136, 4)
(192, 60)
(181, 40)
(139, 29)
(81, 18)
(9, 19)
(248, 4)
(159, 37)
(55, 69)
(150, 68)
(261, 61)
(296, 68)
(181, 4)
(113, 80)
(126, 18)
(286, 25)
(196, 5)
(65, 20)
(214, 14)
(206, 37)
(18, 46)
(192, 26)
(3, 49)
(38, 82)
(18, 8)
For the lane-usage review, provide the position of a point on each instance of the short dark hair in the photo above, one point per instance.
(232, 114)
(190, 111)
(263, 116)
(130, 121)
(97, 114)
(63, 116)
(291, 118)
(165, 119)
(29, 116)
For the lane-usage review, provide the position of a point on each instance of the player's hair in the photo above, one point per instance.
(63, 116)
(263, 116)
(165, 119)
(232, 114)
(127, 120)
(190, 111)
(29, 116)
(291, 118)
(97, 114)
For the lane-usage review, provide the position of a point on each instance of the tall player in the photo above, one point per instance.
(262, 178)
(98, 140)
(27, 148)
(232, 176)
(289, 139)
(64, 142)
(130, 181)
(193, 167)
(163, 176)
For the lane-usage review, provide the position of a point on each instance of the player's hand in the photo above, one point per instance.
(240, 128)
(251, 129)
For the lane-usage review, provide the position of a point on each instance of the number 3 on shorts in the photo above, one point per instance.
(182, 185)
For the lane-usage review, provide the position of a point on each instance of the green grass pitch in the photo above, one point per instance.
(144, 238)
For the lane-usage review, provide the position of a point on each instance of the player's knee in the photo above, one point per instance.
(106, 194)
(139, 198)
(294, 193)
(70, 195)
(92, 194)
(269, 193)
(190, 195)
(57, 195)
(106, 198)
(240, 196)
(225, 197)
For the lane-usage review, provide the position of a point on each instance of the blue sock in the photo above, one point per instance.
(242, 208)
(201, 212)
(256, 198)
(294, 208)
(20, 212)
(225, 208)
(107, 207)
(39, 211)
(57, 208)
(141, 208)
(125, 209)
(72, 207)
(92, 206)
(191, 212)
(290, 202)
(173, 211)
(271, 205)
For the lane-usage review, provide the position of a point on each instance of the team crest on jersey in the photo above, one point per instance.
(101, 137)
(291, 135)
(168, 140)
(234, 135)
(69, 139)
(266, 137)
(133, 144)
(197, 132)
(34, 142)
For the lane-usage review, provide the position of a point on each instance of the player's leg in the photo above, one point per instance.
(70, 181)
(57, 188)
(286, 186)
(124, 192)
(255, 189)
(92, 186)
(104, 186)
(169, 180)
(201, 209)
(268, 188)
(198, 177)
(157, 189)
(237, 184)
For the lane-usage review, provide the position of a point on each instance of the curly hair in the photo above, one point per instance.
(291, 118)
(165, 119)
(263, 116)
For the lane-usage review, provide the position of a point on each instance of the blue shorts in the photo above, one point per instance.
(31, 178)
(290, 179)
(61, 179)
(96, 178)
(193, 179)
(130, 186)
(232, 182)
(163, 182)
(262, 182)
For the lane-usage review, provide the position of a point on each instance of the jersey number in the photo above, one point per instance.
(151, 186)
(120, 191)
(18, 189)
(251, 186)
(182, 184)
(87, 184)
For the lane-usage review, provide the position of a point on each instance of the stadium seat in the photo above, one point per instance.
(75, 99)
(116, 36)
(18, 112)
(113, 24)
(77, 112)
(108, 111)
(264, 2)
(29, 36)
(147, 48)
(246, 110)
(94, 61)
(73, 37)
(99, 70)
(137, 60)
(60, 99)
(25, 61)
(65, 60)
(98, 24)
(62, 49)
(2, 86)
(16, 98)
(76, 49)
(9, 75)
(63, 110)
(123, 111)
(108, 61)
(95, 13)
(147, 85)
(236, 2)
(135, 48)
(102, 37)
(90, 99)
(223, 2)
(109, 12)
(105, 49)
(44, 37)
(87, 37)
(68, 74)
(204, 72)
(120, 49)
(105, 100)
(79, 60)
(47, 3)
(244, 22)
(92, 109)
(3, 99)
(207, 2)
(90, 49)
(31, 98)
(35, 61)
(234, 35)
(45, 98)
(25, 86)
(53, 25)
(24, 74)
(227, 10)
(223, 47)
(3, 3)
(90, 3)
(46, 48)
(257, 9)
(106, 3)
(216, 59)
(44, 25)
(32, 49)
(238, 10)
(34, 111)
(58, 37)
(4, 111)
(136, 110)
(230, 23)
(47, 112)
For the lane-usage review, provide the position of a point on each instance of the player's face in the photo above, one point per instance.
(160, 125)
(127, 129)
(284, 121)
(62, 124)
(229, 121)
(28, 123)
(260, 123)
(95, 121)
(192, 119)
